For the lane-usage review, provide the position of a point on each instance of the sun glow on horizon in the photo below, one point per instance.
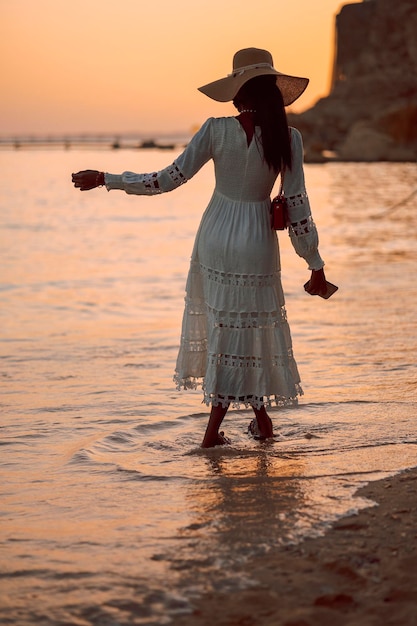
(89, 66)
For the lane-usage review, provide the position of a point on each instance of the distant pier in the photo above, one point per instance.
(105, 142)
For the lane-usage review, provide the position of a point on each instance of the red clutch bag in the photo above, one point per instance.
(279, 217)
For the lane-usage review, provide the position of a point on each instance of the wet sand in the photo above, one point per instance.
(363, 572)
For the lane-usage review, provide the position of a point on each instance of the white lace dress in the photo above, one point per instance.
(235, 339)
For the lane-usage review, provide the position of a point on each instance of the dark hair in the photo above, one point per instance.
(263, 95)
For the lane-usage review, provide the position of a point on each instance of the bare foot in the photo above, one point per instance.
(265, 430)
(212, 437)
(261, 428)
(219, 440)
(223, 440)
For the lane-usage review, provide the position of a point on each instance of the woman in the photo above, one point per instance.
(235, 339)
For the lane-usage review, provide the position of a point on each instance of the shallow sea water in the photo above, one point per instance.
(111, 513)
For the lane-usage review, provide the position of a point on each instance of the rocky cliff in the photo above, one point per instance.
(371, 111)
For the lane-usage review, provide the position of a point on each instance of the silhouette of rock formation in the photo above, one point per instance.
(371, 111)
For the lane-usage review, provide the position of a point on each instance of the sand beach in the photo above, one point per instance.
(363, 572)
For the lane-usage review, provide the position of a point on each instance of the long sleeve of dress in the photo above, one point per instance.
(196, 154)
(302, 229)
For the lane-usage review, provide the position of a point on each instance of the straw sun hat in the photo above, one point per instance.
(247, 64)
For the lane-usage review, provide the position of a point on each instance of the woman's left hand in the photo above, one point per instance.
(317, 283)
(87, 179)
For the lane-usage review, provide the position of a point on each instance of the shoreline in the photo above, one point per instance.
(362, 572)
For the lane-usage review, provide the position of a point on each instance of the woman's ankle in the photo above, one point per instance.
(264, 423)
(212, 437)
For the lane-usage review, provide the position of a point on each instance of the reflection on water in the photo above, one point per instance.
(240, 488)
(112, 514)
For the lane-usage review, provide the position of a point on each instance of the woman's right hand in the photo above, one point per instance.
(317, 283)
(88, 179)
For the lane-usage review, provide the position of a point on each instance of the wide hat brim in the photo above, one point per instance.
(225, 89)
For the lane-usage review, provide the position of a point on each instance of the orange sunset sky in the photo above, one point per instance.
(134, 66)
